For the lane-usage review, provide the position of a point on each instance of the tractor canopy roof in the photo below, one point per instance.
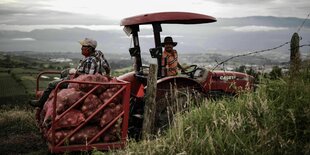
(168, 18)
(131, 27)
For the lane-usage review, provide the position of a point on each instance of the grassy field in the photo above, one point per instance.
(18, 132)
(28, 77)
(122, 71)
(273, 120)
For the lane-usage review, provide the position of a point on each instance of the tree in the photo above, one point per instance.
(253, 73)
(276, 72)
(241, 69)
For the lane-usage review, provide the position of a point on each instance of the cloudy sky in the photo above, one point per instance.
(56, 25)
(93, 12)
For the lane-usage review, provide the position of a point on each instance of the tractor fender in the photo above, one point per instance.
(181, 81)
(164, 84)
(228, 81)
(137, 86)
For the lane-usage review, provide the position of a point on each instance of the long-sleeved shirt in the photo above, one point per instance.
(88, 65)
(102, 64)
(95, 63)
(170, 61)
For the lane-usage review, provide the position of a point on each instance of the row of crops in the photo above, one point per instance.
(17, 85)
(9, 86)
(11, 92)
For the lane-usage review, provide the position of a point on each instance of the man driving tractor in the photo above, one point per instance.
(170, 58)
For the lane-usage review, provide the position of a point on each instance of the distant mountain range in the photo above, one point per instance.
(226, 36)
(264, 21)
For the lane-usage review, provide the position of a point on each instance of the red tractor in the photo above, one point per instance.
(209, 83)
(128, 91)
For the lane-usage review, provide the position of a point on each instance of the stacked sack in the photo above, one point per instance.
(77, 115)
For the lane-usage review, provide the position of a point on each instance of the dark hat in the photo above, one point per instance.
(169, 40)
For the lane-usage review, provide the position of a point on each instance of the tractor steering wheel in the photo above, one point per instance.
(192, 71)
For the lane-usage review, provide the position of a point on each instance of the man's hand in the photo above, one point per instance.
(72, 71)
(183, 71)
(109, 77)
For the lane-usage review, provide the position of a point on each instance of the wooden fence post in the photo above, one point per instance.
(150, 103)
(295, 60)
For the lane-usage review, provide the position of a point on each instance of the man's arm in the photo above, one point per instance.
(107, 70)
(87, 66)
(104, 63)
(106, 67)
(179, 66)
(182, 69)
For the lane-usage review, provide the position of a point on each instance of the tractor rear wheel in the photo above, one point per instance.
(174, 100)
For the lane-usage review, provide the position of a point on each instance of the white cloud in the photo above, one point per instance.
(254, 28)
(118, 9)
(23, 39)
(28, 28)
(146, 36)
(7, 1)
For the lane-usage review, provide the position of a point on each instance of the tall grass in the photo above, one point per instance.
(18, 131)
(273, 120)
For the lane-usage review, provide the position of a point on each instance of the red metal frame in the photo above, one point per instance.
(38, 80)
(38, 93)
(124, 91)
(42, 73)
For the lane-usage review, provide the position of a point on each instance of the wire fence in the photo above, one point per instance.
(266, 50)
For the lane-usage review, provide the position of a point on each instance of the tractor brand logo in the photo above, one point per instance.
(225, 78)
